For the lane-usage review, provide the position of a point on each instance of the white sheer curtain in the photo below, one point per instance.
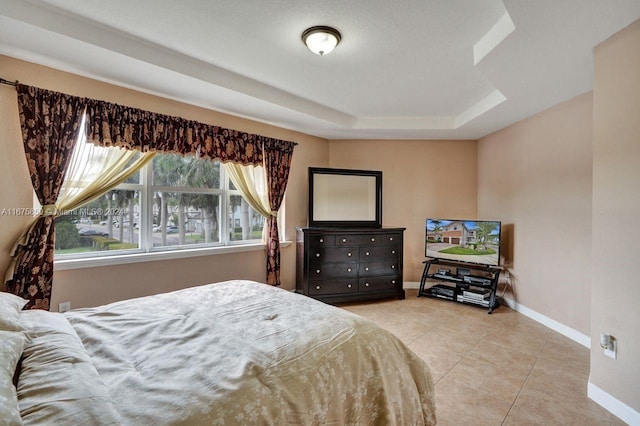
(95, 170)
(251, 181)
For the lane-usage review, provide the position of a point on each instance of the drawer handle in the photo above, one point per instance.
(366, 269)
(393, 266)
(317, 271)
(348, 285)
(322, 240)
(366, 284)
(366, 253)
(348, 269)
(373, 240)
(393, 281)
(393, 252)
(349, 254)
(317, 287)
(390, 238)
(344, 240)
(317, 254)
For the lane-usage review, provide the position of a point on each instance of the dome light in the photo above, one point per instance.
(321, 40)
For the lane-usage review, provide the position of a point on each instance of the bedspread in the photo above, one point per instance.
(241, 352)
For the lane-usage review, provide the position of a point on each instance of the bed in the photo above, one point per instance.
(230, 353)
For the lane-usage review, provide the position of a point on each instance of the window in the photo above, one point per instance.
(175, 202)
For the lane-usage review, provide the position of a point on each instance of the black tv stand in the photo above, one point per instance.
(469, 283)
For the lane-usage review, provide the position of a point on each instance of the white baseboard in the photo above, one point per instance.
(411, 285)
(613, 405)
(566, 331)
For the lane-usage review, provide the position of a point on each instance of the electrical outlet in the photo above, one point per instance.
(612, 352)
(64, 306)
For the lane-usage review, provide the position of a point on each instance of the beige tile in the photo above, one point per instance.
(548, 403)
(616, 421)
(561, 375)
(429, 317)
(519, 324)
(463, 405)
(462, 325)
(438, 360)
(501, 383)
(518, 417)
(430, 321)
(440, 351)
(518, 340)
(406, 330)
(511, 360)
(482, 317)
(445, 340)
(565, 350)
(371, 311)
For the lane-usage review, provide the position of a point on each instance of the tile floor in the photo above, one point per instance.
(498, 369)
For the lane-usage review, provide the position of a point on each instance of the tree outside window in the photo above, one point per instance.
(174, 202)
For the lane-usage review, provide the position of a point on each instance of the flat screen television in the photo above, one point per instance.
(469, 241)
(345, 198)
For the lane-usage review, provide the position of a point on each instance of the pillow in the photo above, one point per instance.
(58, 381)
(11, 344)
(10, 307)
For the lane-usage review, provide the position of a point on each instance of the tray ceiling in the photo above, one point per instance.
(415, 69)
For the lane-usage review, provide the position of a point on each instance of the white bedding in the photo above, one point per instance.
(241, 352)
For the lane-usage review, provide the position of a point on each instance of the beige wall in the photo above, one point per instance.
(535, 176)
(85, 287)
(15, 186)
(420, 179)
(616, 202)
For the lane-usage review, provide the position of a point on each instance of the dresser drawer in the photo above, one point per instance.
(390, 239)
(333, 254)
(333, 286)
(318, 241)
(368, 239)
(379, 283)
(368, 269)
(379, 253)
(357, 240)
(318, 270)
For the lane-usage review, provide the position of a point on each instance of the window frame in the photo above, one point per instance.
(146, 251)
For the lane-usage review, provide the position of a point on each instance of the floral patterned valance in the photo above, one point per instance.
(109, 124)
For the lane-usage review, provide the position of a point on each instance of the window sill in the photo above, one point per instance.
(68, 264)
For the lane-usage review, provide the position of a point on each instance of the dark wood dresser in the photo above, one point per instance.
(348, 264)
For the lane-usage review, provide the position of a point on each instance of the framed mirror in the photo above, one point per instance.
(345, 198)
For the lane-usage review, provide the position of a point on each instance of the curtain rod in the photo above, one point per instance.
(8, 83)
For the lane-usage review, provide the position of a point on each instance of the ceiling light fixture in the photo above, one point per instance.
(321, 40)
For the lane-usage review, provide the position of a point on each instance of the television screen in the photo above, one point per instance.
(472, 241)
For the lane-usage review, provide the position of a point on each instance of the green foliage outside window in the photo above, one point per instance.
(67, 235)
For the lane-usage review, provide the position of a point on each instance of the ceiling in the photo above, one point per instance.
(410, 69)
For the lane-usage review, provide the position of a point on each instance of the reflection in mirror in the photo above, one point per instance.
(344, 197)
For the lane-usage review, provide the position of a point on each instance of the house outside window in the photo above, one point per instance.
(175, 202)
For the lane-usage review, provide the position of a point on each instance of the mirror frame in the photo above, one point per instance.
(376, 223)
